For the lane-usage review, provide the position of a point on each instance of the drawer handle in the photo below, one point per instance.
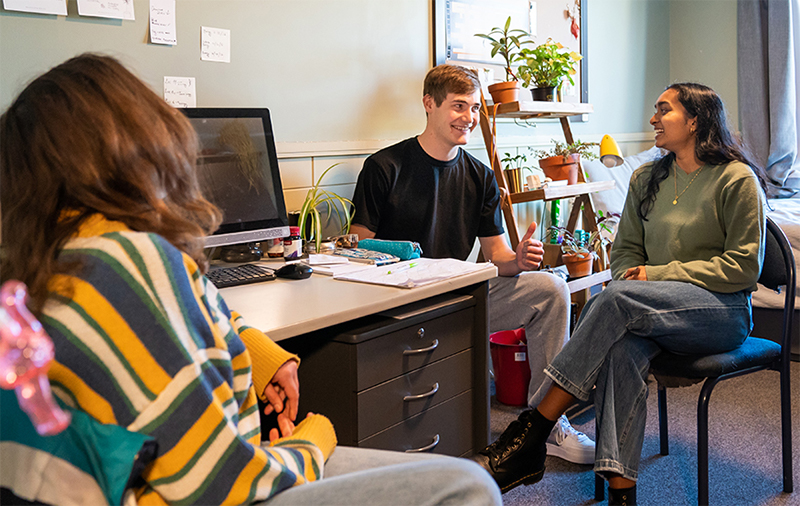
(422, 396)
(425, 448)
(432, 347)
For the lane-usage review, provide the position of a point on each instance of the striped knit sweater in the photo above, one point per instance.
(144, 341)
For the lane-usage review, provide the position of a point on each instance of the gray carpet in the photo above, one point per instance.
(744, 449)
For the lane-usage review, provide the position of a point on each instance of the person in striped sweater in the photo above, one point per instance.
(103, 219)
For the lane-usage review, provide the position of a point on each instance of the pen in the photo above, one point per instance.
(402, 268)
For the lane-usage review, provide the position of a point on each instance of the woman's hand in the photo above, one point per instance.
(274, 435)
(636, 273)
(283, 397)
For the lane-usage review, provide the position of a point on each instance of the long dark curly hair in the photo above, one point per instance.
(89, 137)
(714, 142)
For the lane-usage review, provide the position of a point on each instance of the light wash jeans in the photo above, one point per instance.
(540, 302)
(619, 331)
(360, 476)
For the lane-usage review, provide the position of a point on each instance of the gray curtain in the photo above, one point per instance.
(768, 88)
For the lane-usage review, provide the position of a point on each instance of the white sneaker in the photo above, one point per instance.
(569, 444)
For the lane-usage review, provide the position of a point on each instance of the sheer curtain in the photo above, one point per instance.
(769, 87)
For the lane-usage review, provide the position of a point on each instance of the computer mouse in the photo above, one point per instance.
(294, 271)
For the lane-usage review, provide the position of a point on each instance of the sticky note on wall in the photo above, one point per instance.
(215, 44)
(180, 91)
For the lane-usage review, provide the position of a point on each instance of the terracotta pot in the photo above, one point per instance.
(559, 168)
(545, 94)
(578, 264)
(505, 92)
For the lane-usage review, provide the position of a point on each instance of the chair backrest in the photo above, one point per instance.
(779, 272)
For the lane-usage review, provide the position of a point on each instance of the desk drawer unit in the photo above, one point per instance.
(397, 380)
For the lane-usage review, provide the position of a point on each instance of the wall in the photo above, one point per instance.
(343, 77)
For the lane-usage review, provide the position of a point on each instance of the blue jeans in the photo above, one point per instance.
(355, 476)
(619, 331)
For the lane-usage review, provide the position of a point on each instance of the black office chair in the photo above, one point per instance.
(755, 354)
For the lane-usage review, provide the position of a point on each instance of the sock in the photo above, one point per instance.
(622, 496)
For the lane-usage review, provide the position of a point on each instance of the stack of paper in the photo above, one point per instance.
(413, 273)
(331, 265)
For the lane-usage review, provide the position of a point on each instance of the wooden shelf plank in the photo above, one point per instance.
(585, 282)
(531, 109)
(562, 192)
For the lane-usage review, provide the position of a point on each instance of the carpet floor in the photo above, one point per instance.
(744, 449)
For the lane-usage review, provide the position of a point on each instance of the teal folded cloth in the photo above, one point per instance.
(406, 250)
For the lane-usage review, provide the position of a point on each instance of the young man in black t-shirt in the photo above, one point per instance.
(429, 190)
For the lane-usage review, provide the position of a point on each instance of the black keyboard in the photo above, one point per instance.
(239, 275)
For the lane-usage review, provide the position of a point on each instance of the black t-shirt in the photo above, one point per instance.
(404, 194)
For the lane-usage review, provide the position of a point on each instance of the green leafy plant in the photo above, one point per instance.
(601, 243)
(507, 43)
(515, 162)
(564, 149)
(331, 203)
(571, 244)
(546, 65)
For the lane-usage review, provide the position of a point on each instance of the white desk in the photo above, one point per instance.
(286, 308)
(393, 368)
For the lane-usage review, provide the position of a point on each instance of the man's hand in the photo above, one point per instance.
(529, 251)
(283, 396)
(636, 273)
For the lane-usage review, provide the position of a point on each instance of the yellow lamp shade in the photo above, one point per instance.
(610, 154)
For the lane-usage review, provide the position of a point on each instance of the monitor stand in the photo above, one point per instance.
(238, 253)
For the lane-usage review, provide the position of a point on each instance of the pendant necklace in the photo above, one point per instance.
(697, 173)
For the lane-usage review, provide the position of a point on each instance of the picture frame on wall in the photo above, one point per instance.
(455, 23)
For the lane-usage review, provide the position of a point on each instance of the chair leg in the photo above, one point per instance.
(663, 429)
(702, 440)
(599, 488)
(786, 430)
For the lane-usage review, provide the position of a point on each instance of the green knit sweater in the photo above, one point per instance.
(713, 237)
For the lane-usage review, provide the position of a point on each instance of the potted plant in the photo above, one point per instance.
(507, 43)
(545, 68)
(577, 250)
(601, 241)
(514, 168)
(310, 220)
(563, 160)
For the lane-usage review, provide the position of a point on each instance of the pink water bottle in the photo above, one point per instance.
(25, 355)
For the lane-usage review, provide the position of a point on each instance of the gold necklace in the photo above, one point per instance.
(697, 173)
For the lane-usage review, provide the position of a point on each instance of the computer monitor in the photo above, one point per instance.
(238, 171)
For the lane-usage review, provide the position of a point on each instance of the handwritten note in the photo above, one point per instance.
(180, 91)
(215, 44)
(115, 9)
(38, 6)
(162, 22)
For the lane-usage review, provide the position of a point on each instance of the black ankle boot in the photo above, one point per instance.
(518, 455)
(622, 496)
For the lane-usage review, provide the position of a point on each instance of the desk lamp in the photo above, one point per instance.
(609, 152)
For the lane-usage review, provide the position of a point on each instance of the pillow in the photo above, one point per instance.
(614, 200)
(87, 463)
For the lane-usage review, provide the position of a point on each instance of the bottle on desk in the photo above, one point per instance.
(293, 245)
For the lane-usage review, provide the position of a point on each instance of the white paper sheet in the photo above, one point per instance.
(58, 7)
(180, 91)
(115, 9)
(413, 273)
(215, 44)
(162, 22)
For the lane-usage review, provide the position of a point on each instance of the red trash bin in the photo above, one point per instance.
(509, 349)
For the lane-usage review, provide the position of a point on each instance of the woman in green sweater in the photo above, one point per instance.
(687, 255)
